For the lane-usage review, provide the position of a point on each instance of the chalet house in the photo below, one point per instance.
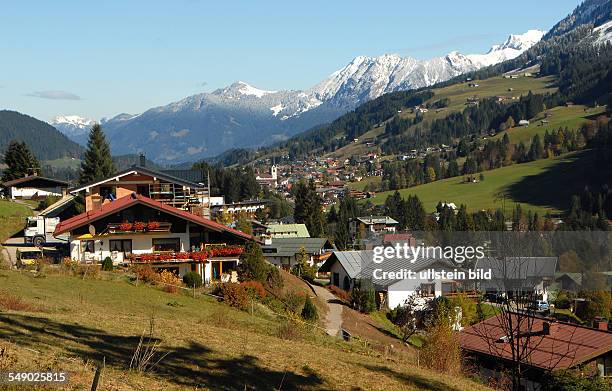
(365, 226)
(135, 229)
(348, 266)
(248, 207)
(34, 187)
(270, 180)
(184, 192)
(284, 252)
(552, 346)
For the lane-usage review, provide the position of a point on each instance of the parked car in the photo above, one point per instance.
(540, 305)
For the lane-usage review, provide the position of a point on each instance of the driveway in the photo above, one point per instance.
(333, 318)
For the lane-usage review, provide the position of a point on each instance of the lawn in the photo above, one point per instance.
(73, 323)
(12, 218)
(543, 186)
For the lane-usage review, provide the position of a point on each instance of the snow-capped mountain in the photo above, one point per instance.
(73, 126)
(242, 115)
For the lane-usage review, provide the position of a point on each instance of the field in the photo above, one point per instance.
(572, 117)
(73, 323)
(543, 186)
(65, 162)
(12, 218)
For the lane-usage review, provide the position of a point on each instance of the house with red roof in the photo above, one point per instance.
(545, 345)
(136, 229)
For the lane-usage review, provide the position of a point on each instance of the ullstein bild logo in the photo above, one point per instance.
(457, 254)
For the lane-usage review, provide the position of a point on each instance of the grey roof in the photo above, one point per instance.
(351, 261)
(58, 207)
(519, 268)
(287, 247)
(377, 220)
(576, 277)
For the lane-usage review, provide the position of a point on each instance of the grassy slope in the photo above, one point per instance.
(12, 218)
(211, 345)
(458, 93)
(543, 186)
(572, 117)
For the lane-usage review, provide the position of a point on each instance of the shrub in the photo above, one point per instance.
(288, 331)
(235, 295)
(68, 266)
(88, 271)
(11, 302)
(302, 268)
(468, 309)
(107, 264)
(362, 296)
(146, 273)
(255, 289)
(441, 351)
(340, 293)
(573, 380)
(167, 278)
(563, 302)
(252, 266)
(274, 280)
(192, 279)
(309, 312)
(294, 302)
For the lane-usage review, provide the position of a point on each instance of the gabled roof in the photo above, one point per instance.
(287, 247)
(519, 268)
(377, 220)
(351, 261)
(140, 170)
(35, 178)
(566, 346)
(133, 199)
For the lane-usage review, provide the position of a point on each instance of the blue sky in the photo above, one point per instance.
(102, 58)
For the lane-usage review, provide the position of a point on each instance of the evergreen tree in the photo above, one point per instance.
(308, 208)
(20, 161)
(98, 162)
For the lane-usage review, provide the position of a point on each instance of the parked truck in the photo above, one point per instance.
(39, 231)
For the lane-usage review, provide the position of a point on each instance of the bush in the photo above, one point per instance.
(107, 264)
(88, 271)
(294, 302)
(192, 279)
(362, 296)
(441, 352)
(274, 280)
(235, 295)
(468, 309)
(288, 331)
(146, 273)
(170, 281)
(340, 293)
(309, 312)
(573, 380)
(9, 301)
(255, 289)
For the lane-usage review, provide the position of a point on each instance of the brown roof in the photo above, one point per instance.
(36, 178)
(133, 199)
(565, 346)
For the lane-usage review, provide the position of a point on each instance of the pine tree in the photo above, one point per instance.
(20, 161)
(98, 162)
(308, 208)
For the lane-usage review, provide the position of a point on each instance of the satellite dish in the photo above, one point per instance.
(92, 230)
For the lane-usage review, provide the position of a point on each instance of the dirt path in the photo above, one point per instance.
(333, 318)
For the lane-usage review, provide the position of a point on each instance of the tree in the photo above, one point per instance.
(20, 161)
(243, 224)
(441, 351)
(98, 162)
(308, 208)
(302, 268)
(252, 265)
(362, 296)
(309, 312)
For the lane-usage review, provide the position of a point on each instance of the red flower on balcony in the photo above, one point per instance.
(125, 226)
(139, 226)
(152, 225)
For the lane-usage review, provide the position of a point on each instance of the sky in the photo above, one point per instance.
(99, 59)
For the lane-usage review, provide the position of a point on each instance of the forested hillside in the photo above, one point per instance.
(46, 142)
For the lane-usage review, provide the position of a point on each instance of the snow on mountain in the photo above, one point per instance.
(241, 115)
(74, 127)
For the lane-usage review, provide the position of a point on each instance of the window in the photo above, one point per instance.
(107, 192)
(123, 246)
(88, 246)
(167, 244)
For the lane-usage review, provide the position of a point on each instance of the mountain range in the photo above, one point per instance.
(241, 115)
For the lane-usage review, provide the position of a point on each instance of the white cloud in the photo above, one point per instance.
(55, 94)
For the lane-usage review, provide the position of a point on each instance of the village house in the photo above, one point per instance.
(135, 229)
(34, 187)
(270, 180)
(367, 225)
(284, 252)
(248, 207)
(277, 231)
(182, 189)
(552, 346)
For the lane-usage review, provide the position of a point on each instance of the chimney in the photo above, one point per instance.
(143, 160)
(601, 324)
(546, 328)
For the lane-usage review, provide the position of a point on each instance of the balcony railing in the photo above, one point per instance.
(194, 256)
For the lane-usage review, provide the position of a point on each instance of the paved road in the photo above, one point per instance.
(333, 319)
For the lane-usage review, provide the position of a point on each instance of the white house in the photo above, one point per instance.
(138, 230)
(34, 187)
